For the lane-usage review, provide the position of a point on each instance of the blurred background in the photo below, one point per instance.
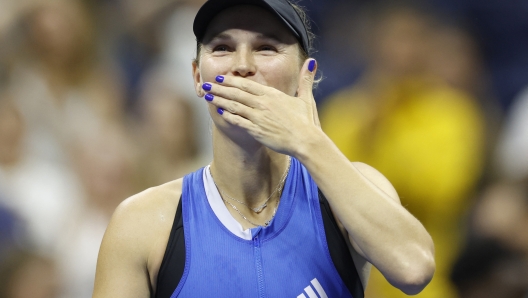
(97, 103)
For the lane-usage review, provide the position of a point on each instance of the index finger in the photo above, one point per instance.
(231, 93)
(243, 84)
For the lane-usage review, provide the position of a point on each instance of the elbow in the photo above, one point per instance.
(417, 277)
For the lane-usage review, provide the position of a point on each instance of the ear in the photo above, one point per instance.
(197, 77)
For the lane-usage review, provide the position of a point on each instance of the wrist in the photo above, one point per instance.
(311, 145)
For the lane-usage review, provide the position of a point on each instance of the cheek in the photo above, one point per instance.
(281, 76)
(211, 67)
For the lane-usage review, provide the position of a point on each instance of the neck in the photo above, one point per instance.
(244, 169)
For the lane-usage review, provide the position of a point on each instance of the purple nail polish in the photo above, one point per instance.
(311, 65)
(209, 97)
(207, 86)
(220, 111)
(220, 79)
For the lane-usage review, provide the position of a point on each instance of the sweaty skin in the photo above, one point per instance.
(269, 113)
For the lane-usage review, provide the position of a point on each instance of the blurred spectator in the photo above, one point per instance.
(424, 135)
(494, 262)
(512, 151)
(340, 57)
(179, 50)
(11, 10)
(8, 229)
(60, 85)
(167, 137)
(140, 42)
(11, 132)
(160, 41)
(35, 189)
(488, 269)
(502, 28)
(502, 214)
(28, 275)
(455, 58)
(105, 162)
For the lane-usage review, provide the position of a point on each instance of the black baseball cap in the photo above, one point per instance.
(281, 8)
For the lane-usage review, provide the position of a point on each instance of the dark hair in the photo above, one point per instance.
(301, 11)
(305, 53)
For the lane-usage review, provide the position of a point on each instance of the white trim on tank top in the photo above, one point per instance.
(220, 209)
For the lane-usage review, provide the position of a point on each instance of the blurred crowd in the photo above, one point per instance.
(97, 103)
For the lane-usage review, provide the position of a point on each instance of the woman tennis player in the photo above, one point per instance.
(279, 212)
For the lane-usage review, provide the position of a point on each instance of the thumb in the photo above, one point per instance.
(306, 79)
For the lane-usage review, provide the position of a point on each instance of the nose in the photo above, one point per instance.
(244, 63)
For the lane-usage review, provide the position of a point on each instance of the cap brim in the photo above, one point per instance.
(212, 7)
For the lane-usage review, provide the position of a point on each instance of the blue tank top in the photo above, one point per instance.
(289, 258)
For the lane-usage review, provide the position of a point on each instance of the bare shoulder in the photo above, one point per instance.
(377, 178)
(135, 240)
(151, 204)
(148, 217)
(150, 210)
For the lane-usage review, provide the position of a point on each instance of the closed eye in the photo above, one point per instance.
(267, 48)
(220, 48)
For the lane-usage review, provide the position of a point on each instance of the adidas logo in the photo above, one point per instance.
(310, 291)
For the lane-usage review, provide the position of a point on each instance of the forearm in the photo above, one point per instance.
(386, 234)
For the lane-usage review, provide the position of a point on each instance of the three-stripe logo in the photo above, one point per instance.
(310, 291)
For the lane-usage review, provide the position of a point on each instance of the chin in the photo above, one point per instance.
(235, 133)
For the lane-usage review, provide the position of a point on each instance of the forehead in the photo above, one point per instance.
(252, 19)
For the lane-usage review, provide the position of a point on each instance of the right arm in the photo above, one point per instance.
(134, 243)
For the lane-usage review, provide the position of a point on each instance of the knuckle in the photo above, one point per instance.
(244, 85)
(237, 121)
(232, 108)
(308, 79)
(260, 105)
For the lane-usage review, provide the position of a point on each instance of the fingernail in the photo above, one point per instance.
(220, 111)
(220, 79)
(209, 97)
(311, 65)
(207, 86)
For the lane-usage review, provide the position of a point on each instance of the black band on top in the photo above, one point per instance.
(281, 8)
